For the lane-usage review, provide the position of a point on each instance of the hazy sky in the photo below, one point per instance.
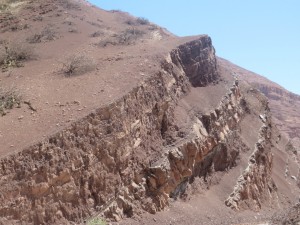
(260, 35)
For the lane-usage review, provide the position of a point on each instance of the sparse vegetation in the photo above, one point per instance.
(68, 21)
(115, 11)
(127, 37)
(71, 5)
(78, 64)
(12, 54)
(5, 5)
(9, 98)
(142, 21)
(94, 24)
(130, 22)
(9, 18)
(47, 34)
(37, 18)
(97, 33)
(96, 221)
(290, 147)
(137, 21)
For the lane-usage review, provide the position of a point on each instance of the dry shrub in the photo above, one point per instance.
(12, 54)
(97, 33)
(115, 11)
(5, 5)
(9, 98)
(70, 5)
(130, 22)
(137, 21)
(47, 34)
(78, 64)
(142, 21)
(96, 221)
(127, 37)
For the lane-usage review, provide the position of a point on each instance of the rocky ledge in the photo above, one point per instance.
(120, 160)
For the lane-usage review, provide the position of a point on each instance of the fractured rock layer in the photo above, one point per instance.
(210, 133)
(97, 164)
(255, 185)
(124, 157)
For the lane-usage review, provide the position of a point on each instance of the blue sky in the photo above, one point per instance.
(260, 35)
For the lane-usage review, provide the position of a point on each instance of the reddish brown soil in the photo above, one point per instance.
(59, 100)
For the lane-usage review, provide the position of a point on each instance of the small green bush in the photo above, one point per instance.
(9, 98)
(96, 221)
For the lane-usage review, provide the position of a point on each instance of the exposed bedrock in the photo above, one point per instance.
(198, 61)
(206, 145)
(116, 160)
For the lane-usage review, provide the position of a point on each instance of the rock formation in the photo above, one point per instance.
(101, 163)
(187, 120)
(255, 184)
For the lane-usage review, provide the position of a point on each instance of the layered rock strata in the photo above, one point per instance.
(97, 164)
(210, 133)
(116, 160)
(198, 61)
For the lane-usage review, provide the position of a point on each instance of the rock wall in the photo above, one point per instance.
(97, 164)
(118, 160)
(181, 161)
(198, 61)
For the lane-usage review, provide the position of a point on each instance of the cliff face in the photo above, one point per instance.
(198, 61)
(131, 156)
(96, 163)
(116, 160)
(180, 162)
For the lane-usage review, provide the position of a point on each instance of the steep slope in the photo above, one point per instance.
(285, 106)
(130, 120)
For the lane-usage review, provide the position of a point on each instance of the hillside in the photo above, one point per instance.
(285, 106)
(105, 116)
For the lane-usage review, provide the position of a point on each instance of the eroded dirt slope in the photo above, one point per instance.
(285, 106)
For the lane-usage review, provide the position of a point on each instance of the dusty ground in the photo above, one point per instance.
(58, 99)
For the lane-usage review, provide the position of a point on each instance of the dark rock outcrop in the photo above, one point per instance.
(197, 58)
